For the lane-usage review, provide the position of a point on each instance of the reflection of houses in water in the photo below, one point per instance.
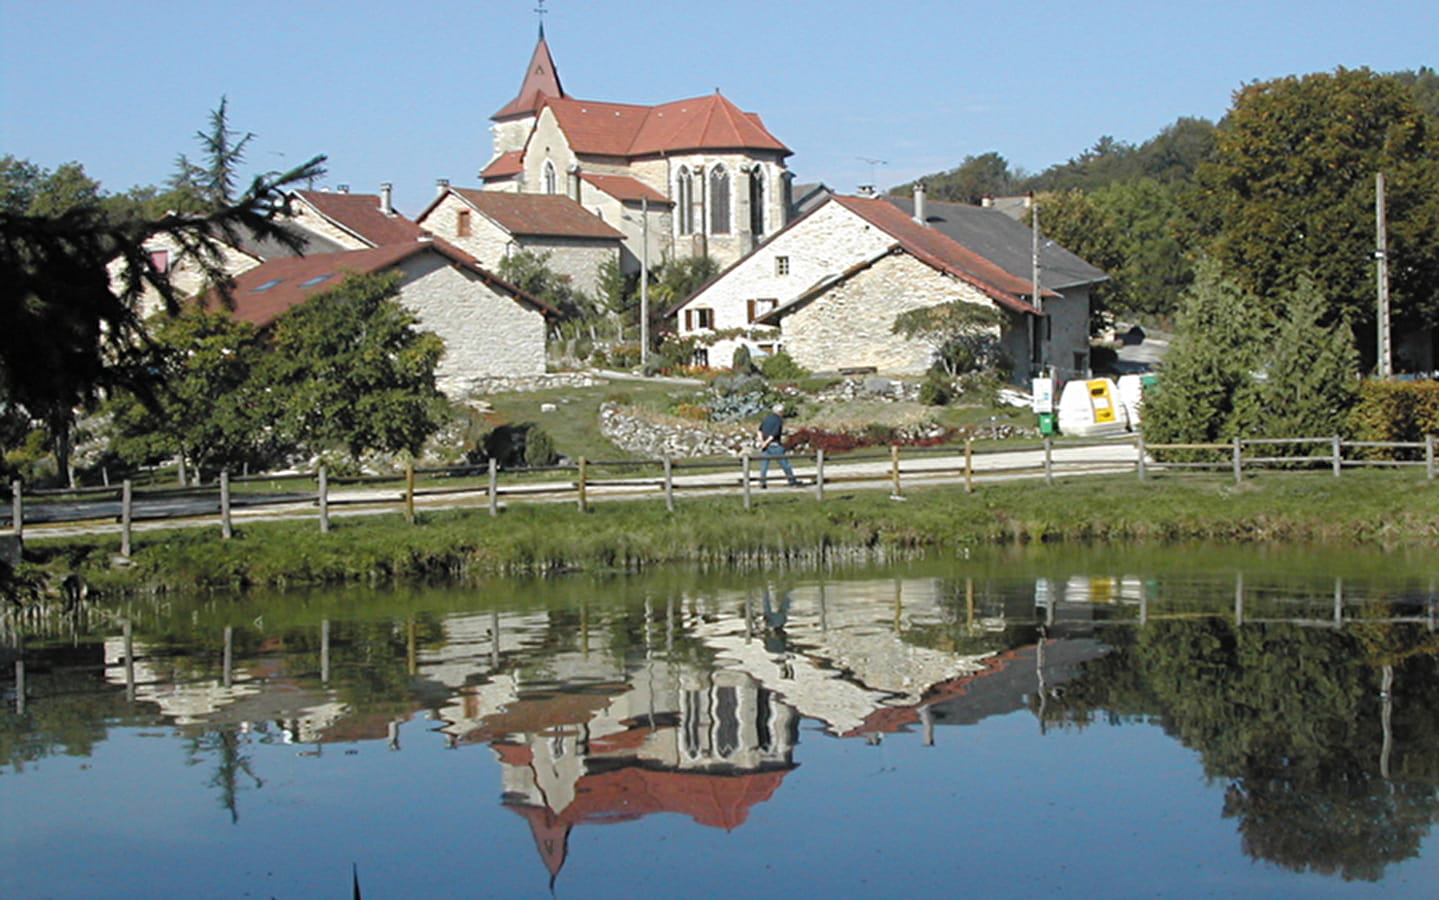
(262, 691)
(840, 652)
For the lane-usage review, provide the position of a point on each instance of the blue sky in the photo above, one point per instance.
(403, 92)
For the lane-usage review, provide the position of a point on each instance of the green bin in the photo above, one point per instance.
(1046, 423)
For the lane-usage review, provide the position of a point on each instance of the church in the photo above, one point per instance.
(694, 177)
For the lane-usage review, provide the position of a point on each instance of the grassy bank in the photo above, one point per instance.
(1366, 507)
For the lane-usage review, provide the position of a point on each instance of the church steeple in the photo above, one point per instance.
(541, 80)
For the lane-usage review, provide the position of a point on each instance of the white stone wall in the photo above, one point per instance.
(825, 244)
(851, 324)
(485, 333)
(579, 261)
(547, 142)
(487, 241)
(185, 273)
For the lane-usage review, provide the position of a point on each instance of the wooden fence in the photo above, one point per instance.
(101, 508)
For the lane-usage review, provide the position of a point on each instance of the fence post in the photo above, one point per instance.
(127, 516)
(494, 488)
(324, 498)
(744, 480)
(1338, 458)
(1429, 456)
(227, 529)
(583, 476)
(410, 491)
(894, 469)
(17, 509)
(969, 465)
(1048, 460)
(669, 484)
(819, 475)
(1238, 462)
(1140, 464)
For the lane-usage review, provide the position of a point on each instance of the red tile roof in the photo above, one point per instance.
(626, 189)
(505, 165)
(360, 215)
(264, 293)
(542, 80)
(944, 253)
(620, 129)
(538, 215)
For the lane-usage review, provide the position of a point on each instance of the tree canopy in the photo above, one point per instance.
(1289, 193)
(348, 369)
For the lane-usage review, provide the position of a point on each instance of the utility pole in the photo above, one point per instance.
(1384, 366)
(1036, 296)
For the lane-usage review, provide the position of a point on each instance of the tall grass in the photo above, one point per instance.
(783, 528)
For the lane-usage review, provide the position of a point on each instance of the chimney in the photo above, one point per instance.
(342, 188)
(866, 190)
(441, 186)
(385, 205)
(919, 205)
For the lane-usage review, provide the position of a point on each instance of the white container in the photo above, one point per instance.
(1092, 407)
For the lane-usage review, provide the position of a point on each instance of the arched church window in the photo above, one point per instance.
(685, 200)
(719, 200)
(756, 201)
(551, 178)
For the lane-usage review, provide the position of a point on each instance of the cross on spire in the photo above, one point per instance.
(540, 13)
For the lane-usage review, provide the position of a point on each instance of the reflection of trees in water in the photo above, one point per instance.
(1293, 718)
(230, 761)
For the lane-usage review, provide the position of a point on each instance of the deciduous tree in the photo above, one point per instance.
(349, 369)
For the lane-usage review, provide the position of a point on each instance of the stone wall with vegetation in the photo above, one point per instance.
(654, 436)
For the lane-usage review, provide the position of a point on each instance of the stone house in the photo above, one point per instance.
(999, 235)
(711, 178)
(352, 221)
(490, 225)
(489, 327)
(844, 243)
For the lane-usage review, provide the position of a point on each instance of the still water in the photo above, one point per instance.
(1192, 722)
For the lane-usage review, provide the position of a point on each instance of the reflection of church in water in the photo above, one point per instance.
(600, 718)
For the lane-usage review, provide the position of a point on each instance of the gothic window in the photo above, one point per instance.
(685, 200)
(551, 179)
(756, 201)
(719, 200)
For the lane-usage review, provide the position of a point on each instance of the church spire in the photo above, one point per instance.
(541, 81)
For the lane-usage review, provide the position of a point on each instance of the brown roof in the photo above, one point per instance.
(360, 215)
(264, 293)
(542, 80)
(538, 215)
(620, 129)
(505, 165)
(626, 189)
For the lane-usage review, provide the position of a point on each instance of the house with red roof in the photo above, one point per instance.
(698, 176)
(491, 225)
(490, 327)
(352, 221)
(828, 287)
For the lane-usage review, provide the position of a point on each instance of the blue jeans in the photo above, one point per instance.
(774, 452)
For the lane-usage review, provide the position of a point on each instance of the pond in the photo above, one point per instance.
(1181, 722)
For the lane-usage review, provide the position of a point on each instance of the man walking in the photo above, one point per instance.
(771, 428)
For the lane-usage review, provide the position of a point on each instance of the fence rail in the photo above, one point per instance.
(101, 509)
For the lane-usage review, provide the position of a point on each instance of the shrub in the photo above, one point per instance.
(741, 361)
(692, 411)
(539, 447)
(934, 392)
(1394, 411)
(782, 367)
